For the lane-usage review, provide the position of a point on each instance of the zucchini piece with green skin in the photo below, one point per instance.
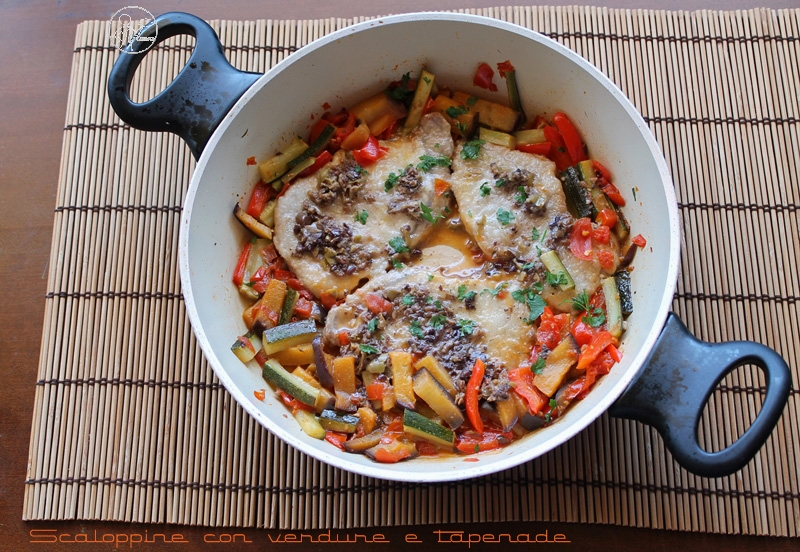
(288, 306)
(288, 335)
(418, 425)
(514, 99)
(579, 199)
(600, 200)
(333, 421)
(277, 375)
(552, 262)
(613, 306)
(251, 223)
(267, 216)
(276, 166)
(309, 423)
(421, 95)
(314, 148)
(623, 281)
(246, 347)
(499, 138)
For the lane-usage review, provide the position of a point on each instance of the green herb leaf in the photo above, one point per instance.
(454, 111)
(462, 128)
(504, 217)
(427, 162)
(391, 181)
(494, 292)
(416, 330)
(535, 303)
(362, 216)
(427, 80)
(596, 319)
(398, 244)
(437, 321)
(535, 234)
(522, 195)
(397, 265)
(555, 280)
(471, 101)
(372, 325)
(581, 302)
(368, 349)
(407, 300)
(471, 149)
(466, 326)
(401, 93)
(428, 215)
(538, 366)
(500, 182)
(464, 294)
(485, 189)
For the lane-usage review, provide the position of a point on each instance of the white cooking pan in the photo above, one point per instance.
(227, 116)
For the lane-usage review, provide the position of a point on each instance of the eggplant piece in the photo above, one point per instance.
(437, 397)
(559, 362)
(360, 444)
(321, 362)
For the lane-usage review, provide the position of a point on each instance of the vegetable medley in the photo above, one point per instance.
(432, 272)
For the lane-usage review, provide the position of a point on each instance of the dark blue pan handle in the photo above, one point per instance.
(196, 101)
(677, 380)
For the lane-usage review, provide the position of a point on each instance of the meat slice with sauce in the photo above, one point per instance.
(455, 320)
(513, 205)
(345, 223)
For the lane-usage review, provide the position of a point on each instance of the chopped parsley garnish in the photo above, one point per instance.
(494, 292)
(372, 325)
(596, 319)
(368, 349)
(549, 415)
(454, 111)
(428, 215)
(538, 366)
(401, 93)
(634, 193)
(534, 301)
(471, 100)
(504, 217)
(471, 149)
(466, 326)
(361, 170)
(362, 216)
(427, 162)
(464, 294)
(500, 182)
(559, 279)
(430, 277)
(427, 80)
(485, 189)
(408, 300)
(437, 321)
(581, 302)
(397, 265)
(416, 330)
(522, 195)
(535, 234)
(391, 181)
(398, 244)
(462, 128)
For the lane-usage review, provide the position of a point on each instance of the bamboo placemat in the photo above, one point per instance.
(131, 424)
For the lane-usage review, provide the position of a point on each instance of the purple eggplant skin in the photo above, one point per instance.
(321, 362)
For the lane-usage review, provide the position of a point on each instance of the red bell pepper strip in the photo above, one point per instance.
(580, 240)
(523, 386)
(607, 217)
(472, 393)
(572, 140)
(393, 455)
(370, 152)
(241, 265)
(377, 304)
(336, 439)
(599, 167)
(483, 77)
(558, 151)
(612, 192)
(492, 438)
(375, 390)
(542, 148)
(303, 308)
(293, 403)
(551, 328)
(600, 341)
(322, 159)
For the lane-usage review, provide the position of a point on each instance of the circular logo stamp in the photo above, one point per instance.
(127, 25)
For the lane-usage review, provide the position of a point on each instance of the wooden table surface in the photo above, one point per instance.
(36, 62)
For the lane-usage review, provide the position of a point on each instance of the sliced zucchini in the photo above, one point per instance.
(326, 399)
(333, 421)
(289, 335)
(579, 199)
(400, 362)
(623, 280)
(530, 136)
(559, 362)
(378, 364)
(437, 397)
(499, 138)
(276, 166)
(288, 306)
(419, 426)
(309, 423)
(292, 173)
(313, 149)
(421, 95)
(552, 262)
(254, 225)
(246, 346)
(277, 375)
(490, 114)
(514, 99)
(613, 306)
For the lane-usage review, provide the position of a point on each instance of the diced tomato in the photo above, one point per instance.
(542, 148)
(303, 308)
(260, 394)
(260, 358)
(370, 152)
(427, 449)
(551, 328)
(251, 161)
(504, 67)
(607, 217)
(580, 240)
(612, 192)
(375, 390)
(391, 456)
(601, 234)
(484, 76)
(639, 240)
(322, 159)
(440, 186)
(241, 264)
(491, 438)
(572, 140)
(589, 354)
(343, 337)
(283, 275)
(336, 439)
(582, 332)
(558, 151)
(269, 253)
(599, 167)
(607, 259)
(523, 386)
(293, 403)
(328, 300)
(377, 304)
(472, 395)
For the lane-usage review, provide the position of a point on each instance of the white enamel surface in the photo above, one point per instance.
(550, 77)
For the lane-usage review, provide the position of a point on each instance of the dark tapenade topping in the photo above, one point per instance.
(406, 189)
(519, 183)
(344, 180)
(332, 242)
(560, 228)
